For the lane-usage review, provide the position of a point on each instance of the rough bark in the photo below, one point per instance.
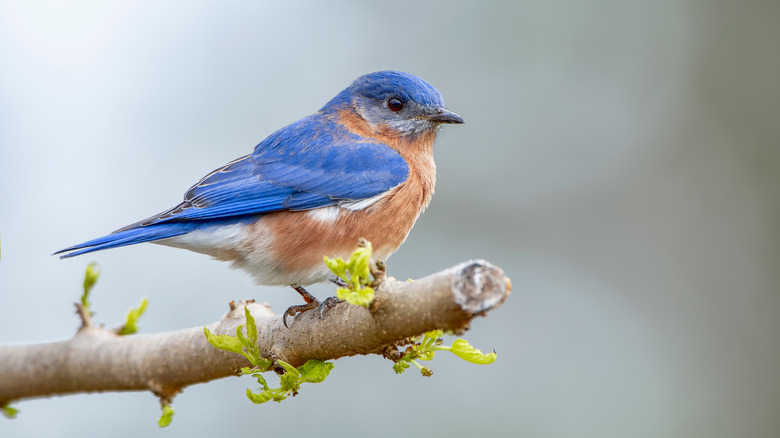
(97, 359)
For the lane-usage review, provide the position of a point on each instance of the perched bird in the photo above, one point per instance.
(361, 166)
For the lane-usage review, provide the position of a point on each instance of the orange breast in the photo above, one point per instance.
(300, 240)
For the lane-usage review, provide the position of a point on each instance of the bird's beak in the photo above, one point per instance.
(444, 116)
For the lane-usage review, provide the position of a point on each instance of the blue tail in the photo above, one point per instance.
(132, 236)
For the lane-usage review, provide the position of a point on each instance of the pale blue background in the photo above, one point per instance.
(620, 161)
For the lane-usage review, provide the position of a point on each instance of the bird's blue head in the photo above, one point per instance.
(399, 101)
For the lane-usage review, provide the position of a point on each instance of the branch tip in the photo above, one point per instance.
(479, 286)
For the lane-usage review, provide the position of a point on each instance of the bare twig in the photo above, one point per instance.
(85, 315)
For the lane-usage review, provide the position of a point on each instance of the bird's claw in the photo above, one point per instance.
(322, 307)
(328, 304)
(294, 310)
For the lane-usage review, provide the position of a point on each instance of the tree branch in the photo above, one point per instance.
(97, 359)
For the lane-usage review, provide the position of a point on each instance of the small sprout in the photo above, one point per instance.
(313, 371)
(131, 323)
(424, 347)
(167, 415)
(90, 278)
(9, 411)
(260, 397)
(401, 366)
(362, 297)
(224, 342)
(243, 345)
(356, 274)
(250, 341)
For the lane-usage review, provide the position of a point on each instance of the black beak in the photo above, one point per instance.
(444, 116)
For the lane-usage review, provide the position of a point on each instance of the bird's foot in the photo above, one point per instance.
(294, 310)
(328, 304)
(331, 302)
(311, 303)
(323, 308)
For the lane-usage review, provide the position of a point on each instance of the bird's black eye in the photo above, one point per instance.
(395, 104)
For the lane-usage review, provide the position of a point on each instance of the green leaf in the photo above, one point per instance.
(361, 297)
(166, 417)
(337, 266)
(90, 278)
(240, 336)
(250, 341)
(288, 385)
(315, 371)
(9, 411)
(289, 369)
(424, 347)
(240, 343)
(224, 342)
(290, 380)
(260, 397)
(358, 264)
(262, 363)
(465, 351)
(251, 327)
(433, 335)
(426, 350)
(252, 353)
(261, 380)
(425, 355)
(356, 273)
(131, 325)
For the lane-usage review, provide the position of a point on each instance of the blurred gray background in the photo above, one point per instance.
(620, 161)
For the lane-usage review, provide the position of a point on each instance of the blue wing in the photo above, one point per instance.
(312, 163)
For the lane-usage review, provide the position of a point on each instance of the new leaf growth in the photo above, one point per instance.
(424, 347)
(356, 274)
(243, 345)
(313, 371)
(90, 278)
(131, 322)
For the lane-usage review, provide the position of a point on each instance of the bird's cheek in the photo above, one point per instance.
(386, 130)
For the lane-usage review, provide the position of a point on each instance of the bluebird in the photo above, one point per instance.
(361, 166)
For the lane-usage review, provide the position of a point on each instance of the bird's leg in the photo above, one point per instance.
(309, 298)
(311, 303)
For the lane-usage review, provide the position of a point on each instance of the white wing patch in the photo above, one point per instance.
(364, 203)
(325, 214)
(331, 214)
